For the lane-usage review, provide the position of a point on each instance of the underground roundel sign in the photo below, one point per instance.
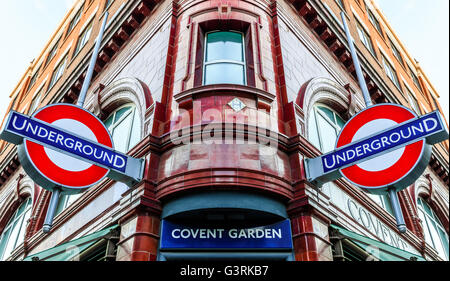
(64, 146)
(384, 146)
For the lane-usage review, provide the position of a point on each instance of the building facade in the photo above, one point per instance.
(224, 99)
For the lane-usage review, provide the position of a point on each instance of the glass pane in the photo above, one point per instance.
(313, 133)
(437, 240)
(3, 242)
(387, 204)
(328, 112)
(425, 228)
(120, 113)
(224, 46)
(21, 236)
(121, 134)
(444, 239)
(109, 122)
(340, 122)
(327, 134)
(136, 130)
(427, 208)
(224, 73)
(62, 203)
(10, 246)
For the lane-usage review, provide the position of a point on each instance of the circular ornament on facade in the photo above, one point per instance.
(51, 168)
(396, 169)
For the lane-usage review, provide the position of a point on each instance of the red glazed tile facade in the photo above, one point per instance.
(193, 141)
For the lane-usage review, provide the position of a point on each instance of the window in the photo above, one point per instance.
(383, 201)
(415, 79)
(435, 234)
(125, 127)
(224, 58)
(324, 128)
(340, 4)
(108, 3)
(52, 53)
(396, 52)
(374, 21)
(14, 232)
(390, 72)
(65, 201)
(58, 72)
(365, 38)
(412, 101)
(74, 21)
(36, 101)
(84, 37)
(34, 78)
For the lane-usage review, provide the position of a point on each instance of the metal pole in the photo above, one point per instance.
(359, 74)
(90, 71)
(48, 222)
(395, 203)
(365, 91)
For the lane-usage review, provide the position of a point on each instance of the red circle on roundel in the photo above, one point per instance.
(392, 174)
(42, 162)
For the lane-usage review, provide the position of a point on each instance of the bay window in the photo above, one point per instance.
(224, 58)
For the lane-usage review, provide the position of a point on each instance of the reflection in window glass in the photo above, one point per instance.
(14, 232)
(224, 58)
(125, 126)
(435, 234)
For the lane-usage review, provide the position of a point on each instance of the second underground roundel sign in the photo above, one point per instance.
(394, 168)
(56, 168)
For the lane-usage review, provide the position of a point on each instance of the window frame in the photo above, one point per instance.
(386, 62)
(114, 124)
(52, 53)
(333, 123)
(244, 26)
(11, 224)
(75, 20)
(34, 78)
(60, 70)
(82, 35)
(244, 56)
(396, 52)
(374, 21)
(436, 222)
(367, 37)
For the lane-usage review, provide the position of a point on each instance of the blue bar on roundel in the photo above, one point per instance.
(387, 140)
(45, 134)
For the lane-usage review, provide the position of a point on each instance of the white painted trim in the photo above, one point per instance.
(88, 21)
(336, 18)
(41, 86)
(407, 85)
(361, 22)
(385, 54)
(63, 55)
(111, 19)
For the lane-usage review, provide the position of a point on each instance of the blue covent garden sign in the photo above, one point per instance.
(176, 236)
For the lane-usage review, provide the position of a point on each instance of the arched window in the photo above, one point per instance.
(435, 234)
(14, 232)
(124, 125)
(324, 126)
(224, 58)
